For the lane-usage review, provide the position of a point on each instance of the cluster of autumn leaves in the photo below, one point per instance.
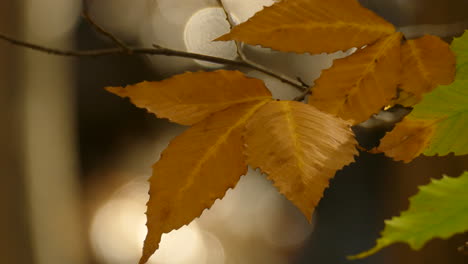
(235, 122)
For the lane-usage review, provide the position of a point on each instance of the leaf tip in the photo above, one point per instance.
(150, 246)
(375, 150)
(145, 257)
(225, 37)
(143, 260)
(381, 243)
(364, 254)
(308, 215)
(309, 219)
(120, 91)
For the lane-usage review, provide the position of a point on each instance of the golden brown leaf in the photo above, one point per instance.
(197, 168)
(360, 85)
(300, 148)
(313, 26)
(426, 63)
(190, 97)
(407, 140)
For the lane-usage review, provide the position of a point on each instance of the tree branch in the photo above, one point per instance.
(302, 96)
(306, 92)
(123, 49)
(157, 50)
(102, 31)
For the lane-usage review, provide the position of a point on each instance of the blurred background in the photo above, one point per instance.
(74, 159)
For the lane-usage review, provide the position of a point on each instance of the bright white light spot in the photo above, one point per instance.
(202, 28)
(118, 230)
(181, 246)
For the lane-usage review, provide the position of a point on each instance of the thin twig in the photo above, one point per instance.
(303, 95)
(299, 79)
(306, 92)
(158, 50)
(123, 49)
(118, 51)
(231, 26)
(101, 30)
(296, 83)
(286, 79)
(105, 33)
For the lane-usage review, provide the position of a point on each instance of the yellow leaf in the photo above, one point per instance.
(313, 26)
(190, 97)
(427, 62)
(197, 168)
(300, 148)
(360, 85)
(407, 140)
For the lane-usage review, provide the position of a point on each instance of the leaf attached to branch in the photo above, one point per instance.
(299, 147)
(313, 26)
(361, 84)
(190, 97)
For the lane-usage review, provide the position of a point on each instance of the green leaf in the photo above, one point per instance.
(439, 210)
(447, 108)
(460, 48)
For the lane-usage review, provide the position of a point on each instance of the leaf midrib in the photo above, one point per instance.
(292, 126)
(214, 148)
